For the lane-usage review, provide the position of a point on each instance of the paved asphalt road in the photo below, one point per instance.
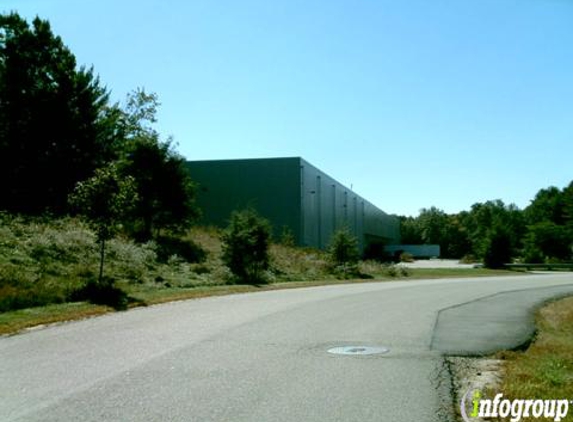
(263, 357)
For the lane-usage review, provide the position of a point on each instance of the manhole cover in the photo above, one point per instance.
(358, 350)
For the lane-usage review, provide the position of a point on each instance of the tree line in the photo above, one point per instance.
(67, 149)
(497, 233)
(59, 128)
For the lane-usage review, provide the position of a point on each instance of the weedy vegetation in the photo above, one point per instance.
(49, 268)
(545, 369)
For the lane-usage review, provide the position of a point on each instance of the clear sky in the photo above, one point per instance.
(412, 102)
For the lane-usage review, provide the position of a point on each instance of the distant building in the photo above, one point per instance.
(417, 251)
(294, 196)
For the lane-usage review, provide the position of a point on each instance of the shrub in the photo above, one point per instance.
(102, 292)
(533, 255)
(344, 248)
(376, 251)
(186, 249)
(287, 237)
(129, 260)
(406, 257)
(45, 261)
(392, 271)
(19, 297)
(38, 260)
(343, 252)
(497, 249)
(547, 239)
(246, 246)
(297, 264)
(468, 259)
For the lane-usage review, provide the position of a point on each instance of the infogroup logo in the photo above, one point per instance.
(515, 409)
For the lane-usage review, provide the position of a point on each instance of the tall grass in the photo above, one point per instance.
(46, 264)
(545, 370)
(46, 261)
(50, 261)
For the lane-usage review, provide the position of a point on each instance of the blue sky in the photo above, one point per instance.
(412, 102)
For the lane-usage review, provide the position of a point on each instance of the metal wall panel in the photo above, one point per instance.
(292, 194)
(271, 186)
(328, 206)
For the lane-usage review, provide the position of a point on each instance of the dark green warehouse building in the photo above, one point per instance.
(293, 195)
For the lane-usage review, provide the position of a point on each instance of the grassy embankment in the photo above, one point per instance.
(545, 369)
(45, 263)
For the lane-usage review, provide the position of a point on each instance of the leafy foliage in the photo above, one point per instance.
(343, 252)
(432, 222)
(46, 261)
(547, 239)
(105, 200)
(166, 194)
(568, 207)
(186, 249)
(497, 248)
(486, 217)
(410, 231)
(56, 121)
(102, 293)
(469, 233)
(550, 225)
(376, 251)
(53, 119)
(548, 205)
(344, 248)
(406, 257)
(246, 246)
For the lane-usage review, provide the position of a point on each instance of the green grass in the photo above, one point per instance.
(427, 273)
(15, 321)
(545, 369)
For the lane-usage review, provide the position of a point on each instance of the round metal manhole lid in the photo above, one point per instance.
(358, 350)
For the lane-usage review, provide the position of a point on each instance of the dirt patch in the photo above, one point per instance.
(469, 374)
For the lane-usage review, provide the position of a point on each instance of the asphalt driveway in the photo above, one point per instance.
(265, 356)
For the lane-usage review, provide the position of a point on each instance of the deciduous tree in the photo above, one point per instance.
(52, 118)
(166, 194)
(105, 200)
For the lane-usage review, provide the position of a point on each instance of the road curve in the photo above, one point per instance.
(260, 357)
